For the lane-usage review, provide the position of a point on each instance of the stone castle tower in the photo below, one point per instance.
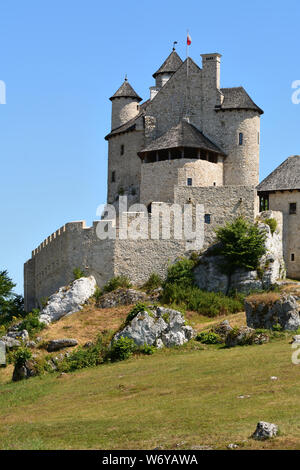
(190, 142)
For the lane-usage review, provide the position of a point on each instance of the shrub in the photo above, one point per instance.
(78, 273)
(21, 355)
(32, 323)
(153, 283)
(209, 338)
(116, 283)
(277, 327)
(181, 273)
(83, 357)
(211, 304)
(147, 349)
(241, 244)
(272, 224)
(139, 307)
(97, 294)
(122, 349)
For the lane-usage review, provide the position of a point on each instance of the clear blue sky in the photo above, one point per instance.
(61, 60)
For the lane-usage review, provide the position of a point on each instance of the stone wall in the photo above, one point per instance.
(123, 109)
(223, 204)
(280, 201)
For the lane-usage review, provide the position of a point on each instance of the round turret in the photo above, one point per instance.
(124, 105)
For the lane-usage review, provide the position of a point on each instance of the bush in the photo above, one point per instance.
(139, 307)
(209, 338)
(277, 327)
(147, 349)
(97, 294)
(211, 304)
(78, 273)
(116, 283)
(272, 224)
(32, 323)
(241, 244)
(181, 273)
(122, 349)
(153, 283)
(83, 357)
(21, 355)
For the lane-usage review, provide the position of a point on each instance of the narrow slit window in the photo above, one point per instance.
(122, 149)
(293, 208)
(113, 176)
(241, 138)
(207, 218)
(190, 181)
(292, 257)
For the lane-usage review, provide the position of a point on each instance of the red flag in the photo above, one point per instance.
(188, 40)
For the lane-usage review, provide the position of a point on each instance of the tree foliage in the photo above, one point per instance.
(241, 244)
(11, 304)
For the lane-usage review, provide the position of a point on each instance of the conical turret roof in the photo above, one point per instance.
(170, 65)
(126, 91)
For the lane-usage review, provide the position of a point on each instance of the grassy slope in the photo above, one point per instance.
(176, 398)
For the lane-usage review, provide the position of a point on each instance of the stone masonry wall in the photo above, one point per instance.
(280, 201)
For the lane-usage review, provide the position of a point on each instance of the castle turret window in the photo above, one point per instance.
(113, 176)
(293, 208)
(190, 181)
(241, 138)
(292, 257)
(207, 218)
(122, 148)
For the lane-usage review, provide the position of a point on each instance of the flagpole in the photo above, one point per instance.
(187, 50)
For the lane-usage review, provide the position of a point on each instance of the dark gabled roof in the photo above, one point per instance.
(126, 91)
(285, 177)
(170, 65)
(183, 134)
(129, 125)
(238, 98)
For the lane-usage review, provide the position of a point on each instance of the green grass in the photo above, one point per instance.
(186, 395)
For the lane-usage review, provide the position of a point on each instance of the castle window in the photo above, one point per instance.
(207, 218)
(241, 138)
(122, 149)
(113, 176)
(293, 208)
(190, 181)
(292, 257)
(264, 202)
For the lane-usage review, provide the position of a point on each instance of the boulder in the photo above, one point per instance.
(267, 310)
(10, 343)
(20, 335)
(2, 354)
(208, 275)
(24, 371)
(158, 327)
(244, 335)
(68, 300)
(57, 344)
(222, 329)
(265, 430)
(121, 296)
(245, 281)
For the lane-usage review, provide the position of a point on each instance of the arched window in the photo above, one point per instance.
(241, 138)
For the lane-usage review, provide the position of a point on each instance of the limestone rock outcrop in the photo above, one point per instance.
(158, 327)
(58, 344)
(24, 371)
(265, 430)
(267, 310)
(121, 296)
(68, 299)
(209, 276)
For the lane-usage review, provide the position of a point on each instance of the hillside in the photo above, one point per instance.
(179, 398)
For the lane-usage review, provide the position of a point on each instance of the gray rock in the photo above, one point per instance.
(68, 300)
(57, 344)
(121, 297)
(222, 329)
(208, 275)
(20, 335)
(240, 336)
(2, 354)
(266, 314)
(245, 281)
(296, 339)
(232, 446)
(160, 327)
(24, 371)
(31, 344)
(265, 430)
(10, 343)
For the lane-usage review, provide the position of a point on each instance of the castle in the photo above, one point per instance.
(192, 142)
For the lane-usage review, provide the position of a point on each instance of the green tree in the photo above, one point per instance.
(11, 304)
(241, 244)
